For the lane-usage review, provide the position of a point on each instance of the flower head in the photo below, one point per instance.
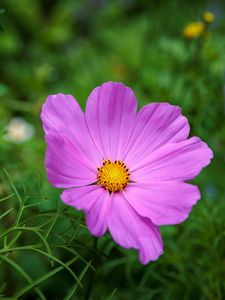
(19, 131)
(208, 17)
(125, 168)
(194, 30)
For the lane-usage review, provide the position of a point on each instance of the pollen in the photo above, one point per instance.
(113, 176)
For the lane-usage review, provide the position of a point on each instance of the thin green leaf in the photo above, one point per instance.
(20, 248)
(13, 240)
(7, 298)
(71, 250)
(43, 278)
(6, 213)
(51, 226)
(33, 229)
(13, 186)
(35, 204)
(35, 249)
(23, 274)
(75, 286)
(7, 197)
(2, 287)
(5, 241)
(112, 294)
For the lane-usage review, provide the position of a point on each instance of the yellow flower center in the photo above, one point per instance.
(113, 177)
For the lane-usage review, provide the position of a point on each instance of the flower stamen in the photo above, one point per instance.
(113, 177)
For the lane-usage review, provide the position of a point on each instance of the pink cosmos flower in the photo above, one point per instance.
(125, 168)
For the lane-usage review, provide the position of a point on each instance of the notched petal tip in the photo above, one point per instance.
(163, 202)
(151, 251)
(57, 110)
(140, 234)
(207, 153)
(113, 84)
(54, 99)
(113, 90)
(181, 161)
(157, 124)
(110, 114)
(145, 260)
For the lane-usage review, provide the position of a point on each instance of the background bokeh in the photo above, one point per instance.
(72, 46)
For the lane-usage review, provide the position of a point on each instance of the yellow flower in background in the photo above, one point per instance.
(208, 17)
(194, 30)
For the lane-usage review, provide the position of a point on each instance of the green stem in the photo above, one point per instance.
(95, 260)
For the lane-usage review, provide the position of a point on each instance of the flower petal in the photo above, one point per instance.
(66, 165)
(156, 125)
(130, 230)
(175, 161)
(63, 114)
(95, 201)
(164, 202)
(110, 114)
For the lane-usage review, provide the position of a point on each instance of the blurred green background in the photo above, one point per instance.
(72, 46)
